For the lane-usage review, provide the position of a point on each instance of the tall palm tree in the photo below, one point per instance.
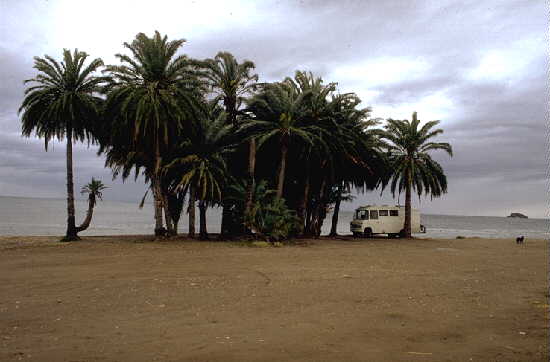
(278, 111)
(232, 81)
(199, 164)
(149, 97)
(411, 166)
(357, 157)
(63, 103)
(94, 189)
(316, 112)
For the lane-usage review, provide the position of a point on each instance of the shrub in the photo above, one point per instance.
(275, 221)
(269, 217)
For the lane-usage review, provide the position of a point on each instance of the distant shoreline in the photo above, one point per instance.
(330, 213)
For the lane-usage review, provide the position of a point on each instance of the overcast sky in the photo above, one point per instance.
(481, 67)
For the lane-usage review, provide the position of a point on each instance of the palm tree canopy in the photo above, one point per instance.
(279, 109)
(408, 146)
(94, 189)
(153, 91)
(315, 111)
(316, 94)
(64, 96)
(200, 160)
(231, 80)
(357, 153)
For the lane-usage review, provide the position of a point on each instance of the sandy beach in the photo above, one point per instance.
(132, 299)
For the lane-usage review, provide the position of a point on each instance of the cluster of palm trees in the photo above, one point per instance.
(200, 131)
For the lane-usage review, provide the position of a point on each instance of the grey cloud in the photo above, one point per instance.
(497, 128)
(15, 69)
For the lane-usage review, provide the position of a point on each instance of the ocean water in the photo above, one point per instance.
(33, 216)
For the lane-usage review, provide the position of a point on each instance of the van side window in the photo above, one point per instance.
(383, 213)
(362, 215)
(394, 212)
(374, 214)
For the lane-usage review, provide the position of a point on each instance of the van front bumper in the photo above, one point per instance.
(356, 228)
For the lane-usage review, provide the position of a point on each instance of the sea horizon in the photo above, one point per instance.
(43, 216)
(342, 209)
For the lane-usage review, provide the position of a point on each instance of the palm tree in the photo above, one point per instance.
(95, 191)
(199, 163)
(176, 202)
(278, 111)
(338, 194)
(149, 97)
(232, 81)
(317, 113)
(357, 157)
(411, 166)
(63, 104)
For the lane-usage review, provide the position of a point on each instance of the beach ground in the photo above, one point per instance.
(133, 299)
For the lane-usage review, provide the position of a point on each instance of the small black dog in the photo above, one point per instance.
(519, 240)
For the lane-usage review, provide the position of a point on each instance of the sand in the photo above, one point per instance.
(132, 299)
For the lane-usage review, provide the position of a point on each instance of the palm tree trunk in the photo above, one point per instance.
(230, 105)
(203, 233)
(251, 167)
(175, 202)
(191, 212)
(334, 227)
(71, 226)
(167, 215)
(86, 223)
(157, 194)
(307, 227)
(322, 217)
(302, 206)
(159, 226)
(282, 167)
(407, 226)
(316, 214)
(226, 227)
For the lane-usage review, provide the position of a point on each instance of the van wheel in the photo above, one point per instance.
(368, 233)
(402, 233)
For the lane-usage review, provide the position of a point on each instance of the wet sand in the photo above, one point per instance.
(133, 299)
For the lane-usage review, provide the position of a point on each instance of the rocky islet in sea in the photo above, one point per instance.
(518, 215)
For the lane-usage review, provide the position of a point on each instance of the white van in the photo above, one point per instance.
(383, 219)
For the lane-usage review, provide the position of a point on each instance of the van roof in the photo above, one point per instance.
(368, 207)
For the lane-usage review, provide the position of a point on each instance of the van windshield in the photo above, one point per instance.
(362, 215)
